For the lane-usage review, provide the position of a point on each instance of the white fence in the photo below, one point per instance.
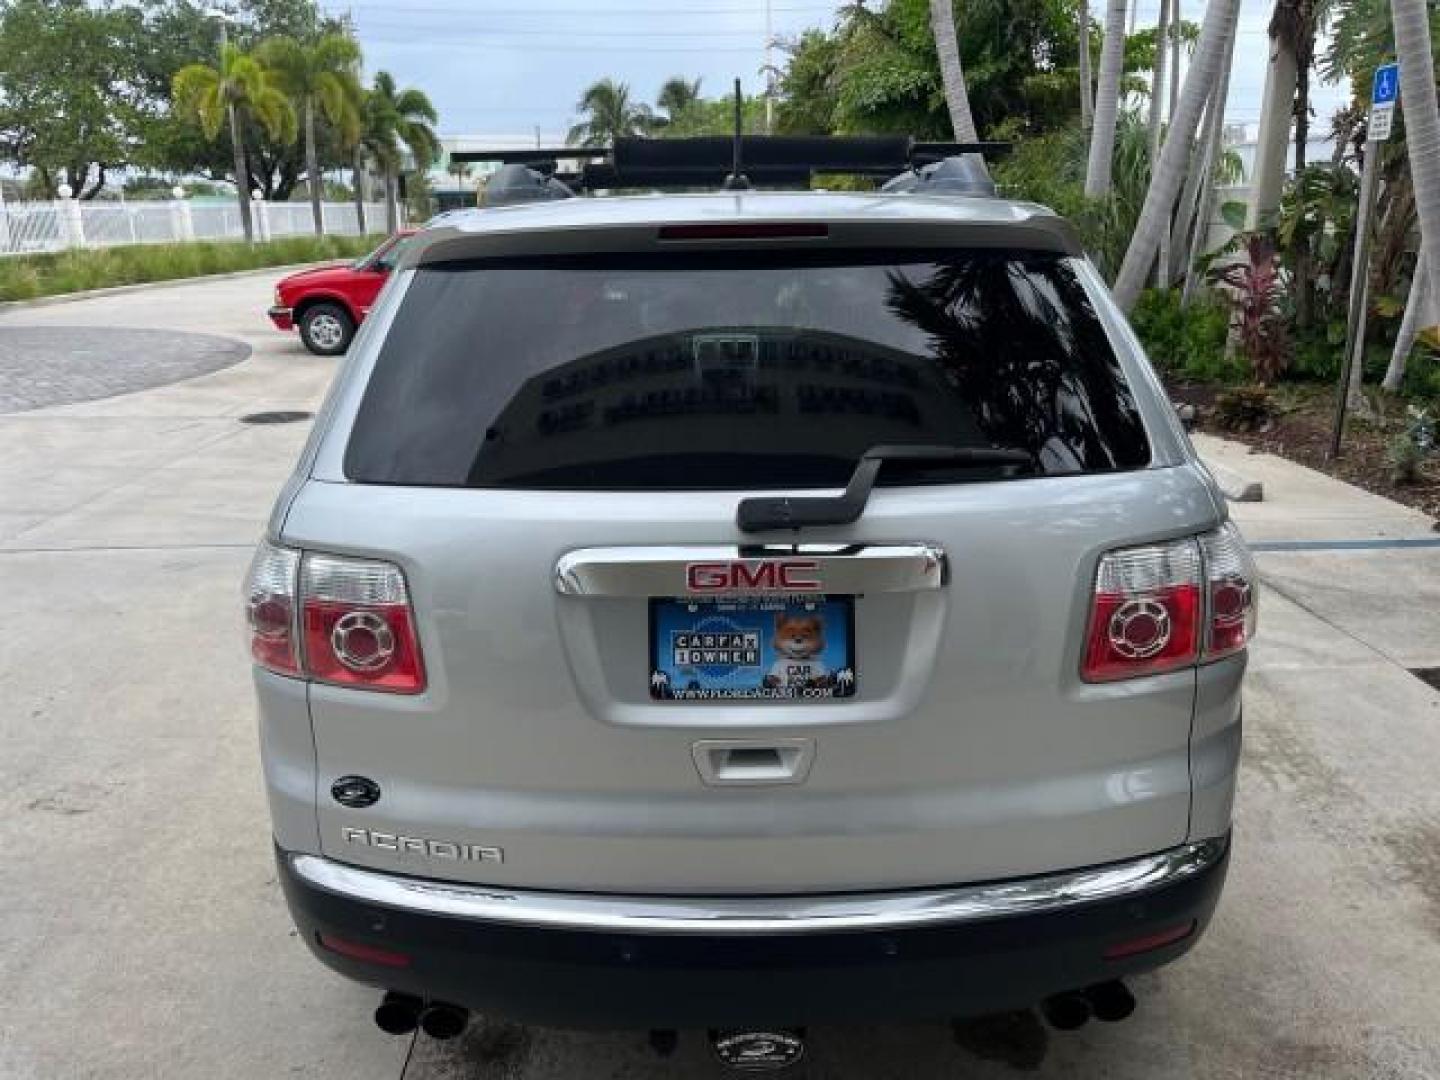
(66, 223)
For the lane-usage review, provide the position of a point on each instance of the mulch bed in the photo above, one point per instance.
(1300, 431)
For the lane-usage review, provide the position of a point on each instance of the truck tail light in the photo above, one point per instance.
(358, 626)
(270, 608)
(1230, 592)
(1146, 611)
(333, 619)
(1168, 606)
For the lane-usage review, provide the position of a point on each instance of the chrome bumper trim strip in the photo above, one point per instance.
(721, 915)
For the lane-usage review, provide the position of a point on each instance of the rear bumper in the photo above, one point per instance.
(282, 317)
(601, 961)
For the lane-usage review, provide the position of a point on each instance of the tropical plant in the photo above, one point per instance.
(878, 70)
(232, 93)
(610, 113)
(393, 121)
(1107, 102)
(952, 74)
(318, 76)
(1215, 37)
(1255, 289)
(1050, 169)
(677, 96)
(1412, 446)
(1422, 124)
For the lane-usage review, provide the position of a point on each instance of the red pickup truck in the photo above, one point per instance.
(327, 303)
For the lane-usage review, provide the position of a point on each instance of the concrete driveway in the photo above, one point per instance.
(143, 933)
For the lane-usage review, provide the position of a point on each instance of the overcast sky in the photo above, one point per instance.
(500, 68)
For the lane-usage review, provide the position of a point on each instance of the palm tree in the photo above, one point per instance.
(947, 45)
(1215, 36)
(1107, 102)
(1087, 85)
(1422, 136)
(235, 91)
(1277, 107)
(1420, 297)
(1157, 78)
(395, 120)
(677, 95)
(318, 74)
(610, 115)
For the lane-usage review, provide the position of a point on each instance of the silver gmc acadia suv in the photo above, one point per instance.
(742, 610)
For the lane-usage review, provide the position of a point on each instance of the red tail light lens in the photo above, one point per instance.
(1230, 592)
(358, 625)
(1146, 612)
(270, 608)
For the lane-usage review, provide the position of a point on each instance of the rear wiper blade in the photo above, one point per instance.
(784, 512)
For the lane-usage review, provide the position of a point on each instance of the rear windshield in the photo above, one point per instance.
(760, 370)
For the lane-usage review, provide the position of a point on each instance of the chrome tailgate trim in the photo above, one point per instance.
(827, 568)
(760, 914)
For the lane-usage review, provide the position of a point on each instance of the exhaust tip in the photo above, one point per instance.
(397, 1014)
(1110, 1001)
(1067, 1011)
(441, 1021)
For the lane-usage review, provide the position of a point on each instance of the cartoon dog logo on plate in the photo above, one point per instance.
(798, 642)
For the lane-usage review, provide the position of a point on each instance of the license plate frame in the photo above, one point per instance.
(735, 649)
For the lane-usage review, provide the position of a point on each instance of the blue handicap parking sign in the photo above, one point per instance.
(1387, 85)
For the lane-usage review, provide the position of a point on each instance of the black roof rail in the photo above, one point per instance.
(783, 161)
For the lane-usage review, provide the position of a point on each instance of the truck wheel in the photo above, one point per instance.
(326, 329)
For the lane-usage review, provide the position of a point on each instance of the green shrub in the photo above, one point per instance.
(1189, 343)
(25, 277)
(1317, 356)
(1243, 408)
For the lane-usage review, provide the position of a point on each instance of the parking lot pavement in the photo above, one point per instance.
(144, 934)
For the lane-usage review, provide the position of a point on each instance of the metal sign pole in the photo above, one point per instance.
(1384, 94)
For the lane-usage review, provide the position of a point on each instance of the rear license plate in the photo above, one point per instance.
(761, 648)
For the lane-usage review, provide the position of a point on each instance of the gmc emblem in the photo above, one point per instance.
(768, 575)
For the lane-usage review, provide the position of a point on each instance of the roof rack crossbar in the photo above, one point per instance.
(736, 161)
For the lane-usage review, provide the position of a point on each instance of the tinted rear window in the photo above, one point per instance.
(747, 371)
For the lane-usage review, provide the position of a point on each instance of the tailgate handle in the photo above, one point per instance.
(753, 761)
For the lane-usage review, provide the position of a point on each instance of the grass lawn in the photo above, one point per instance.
(24, 277)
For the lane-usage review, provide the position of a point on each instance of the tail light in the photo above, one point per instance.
(1145, 617)
(335, 620)
(1163, 607)
(270, 608)
(1230, 588)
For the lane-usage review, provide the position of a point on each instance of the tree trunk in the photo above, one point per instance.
(1422, 125)
(1107, 102)
(1157, 81)
(1175, 26)
(1304, 264)
(1421, 298)
(1215, 37)
(1277, 106)
(1205, 203)
(1087, 84)
(392, 211)
(242, 174)
(1197, 180)
(947, 45)
(1156, 120)
(359, 182)
(312, 168)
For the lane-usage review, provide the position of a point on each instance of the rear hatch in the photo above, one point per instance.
(625, 691)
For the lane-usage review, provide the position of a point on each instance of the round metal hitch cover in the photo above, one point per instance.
(355, 792)
(758, 1051)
